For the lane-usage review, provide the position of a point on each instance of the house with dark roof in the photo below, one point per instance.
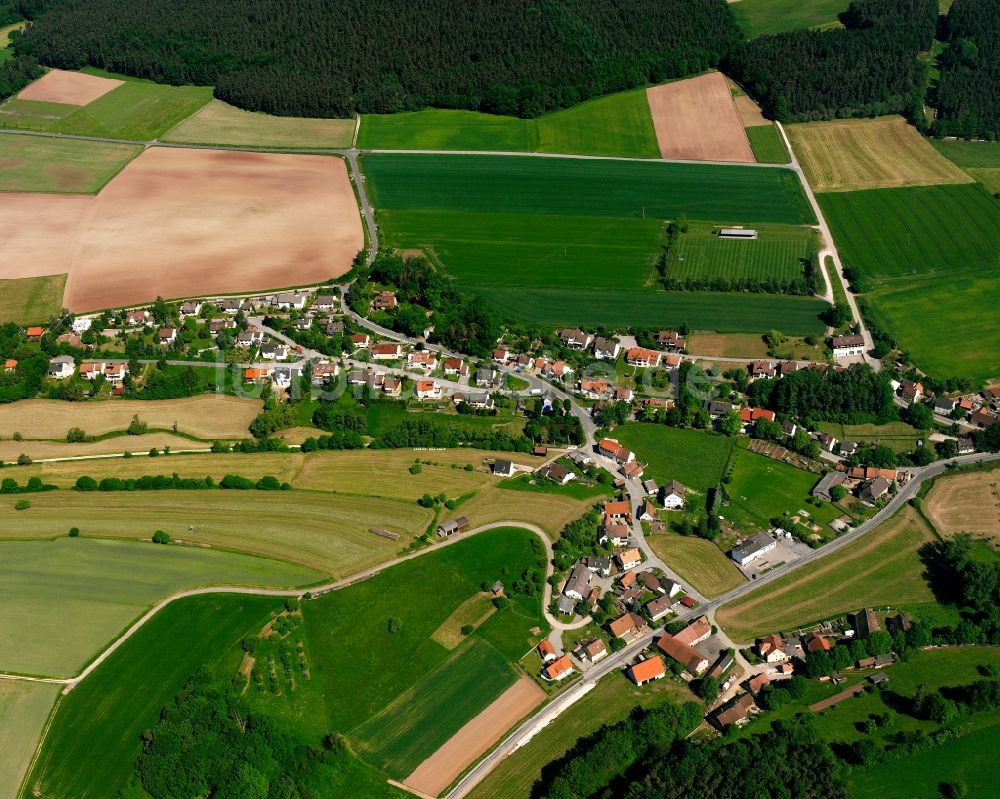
(736, 711)
(865, 622)
(752, 549)
(826, 483)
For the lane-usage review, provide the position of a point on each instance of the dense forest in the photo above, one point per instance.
(302, 57)
(868, 67)
(968, 91)
(857, 395)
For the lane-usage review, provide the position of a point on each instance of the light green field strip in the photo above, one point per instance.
(24, 709)
(767, 145)
(757, 17)
(30, 300)
(62, 601)
(37, 164)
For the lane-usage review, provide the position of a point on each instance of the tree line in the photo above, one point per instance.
(857, 395)
(301, 58)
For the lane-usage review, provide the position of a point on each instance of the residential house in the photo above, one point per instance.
(360, 341)
(392, 386)
(91, 369)
(627, 579)
(900, 623)
(874, 490)
(910, 391)
(826, 484)
(865, 622)
(566, 605)
(453, 526)
(115, 372)
(387, 351)
(736, 711)
(35, 333)
(657, 403)
(617, 533)
(647, 512)
(965, 446)
(633, 470)
(475, 399)
(610, 448)
(624, 394)
(190, 308)
(847, 448)
(629, 627)
(762, 370)
(557, 472)
(750, 416)
(166, 336)
(642, 357)
(60, 367)
(546, 651)
(982, 418)
(817, 643)
(752, 549)
(575, 339)
(672, 361)
(384, 301)
(422, 360)
(789, 427)
(324, 371)
(216, 326)
(456, 366)
(606, 349)
(772, 649)
(250, 337)
(758, 681)
(291, 300)
(284, 376)
(693, 661)
(324, 302)
(81, 325)
(303, 323)
(274, 352)
(659, 607)
(670, 340)
(559, 669)
(647, 670)
(138, 317)
(501, 354)
(847, 346)
(255, 374)
(786, 368)
(557, 370)
(629, 559)
(593, 389)
(673, 495)
(578, 583)
(669, 587)
(598, 564)
(717, 409)
(232, 306)
(580, 458)
(427, 389)
(10, 364)
(485, 376)
(944, 405)
(503, 468)
(696, 632)
(617, 510)
(594, 650)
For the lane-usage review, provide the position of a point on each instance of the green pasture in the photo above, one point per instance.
(31, 299)
(39, 164)
(694, 457)
(423, 718)
(94, 739)
(62, 601)
(779, 252)
(700, 310)
(893, 234)
(758, 17)
(767, 145)
(137, 110)
(617, 125)
(969, 153)
(763, 488)
(947, 325)
(24, 708)
(898, 436)
(989, 177)
(360, 668)
(567, 187)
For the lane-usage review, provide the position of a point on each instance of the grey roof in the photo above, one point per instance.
(826, 482)
(848, 341)
(61, 359)
(565, 604)
(754, 545)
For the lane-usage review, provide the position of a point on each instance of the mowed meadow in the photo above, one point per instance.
(561, 241)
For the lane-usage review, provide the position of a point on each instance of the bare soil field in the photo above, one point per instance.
(727, 345)
(695, 119)
(206, 416)
(138, 445)
(71, 88)
(468, 744)
(749, 111)
(196, 221)
(886, 152)
(966, 503)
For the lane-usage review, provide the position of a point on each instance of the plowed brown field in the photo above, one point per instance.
(967, 503)
(71, 88)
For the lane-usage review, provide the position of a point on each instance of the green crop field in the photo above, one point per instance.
(757, 17)
(891, 234)
(928, 316)
(763, 488)
(567, 187)
(990, 178)
(424, 717)
(880, 569)
(94, 739)
(63, 601)
(31, 299)
(767, 145)
(360, 668)
(33, 163)
(778, 253)
(24, 708)
(320, 530)
(969, 153)
(694, 457)
(138, 110)
(699, 562)
(618, 124)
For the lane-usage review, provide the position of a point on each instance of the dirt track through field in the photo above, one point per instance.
(967, 503)
(467, 745)
(71, 88)
(179, 223)
(696, 119)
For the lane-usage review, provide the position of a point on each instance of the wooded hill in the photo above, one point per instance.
(309, 58)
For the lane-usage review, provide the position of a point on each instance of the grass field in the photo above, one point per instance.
(763, 488)
(699, 310)
(767, 145)
(891, 234)
(699, 562)
(727, 345)
(969, 153)
(139, 110)
(693, 457)
(610, 701)
(898, 436)
(31, 299)
(779, 253)
(880, 569)
(421, 719)
(618, 124)
(318, 530)
(966, 503)
(927, 315)
(94, 739)
(32, 163)
(24, 708)
(757, 17)
(205, 416)
(853, 154)
(220, 123)
(551, 512)
(137, 445)
(62, 601)
(990, 178)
